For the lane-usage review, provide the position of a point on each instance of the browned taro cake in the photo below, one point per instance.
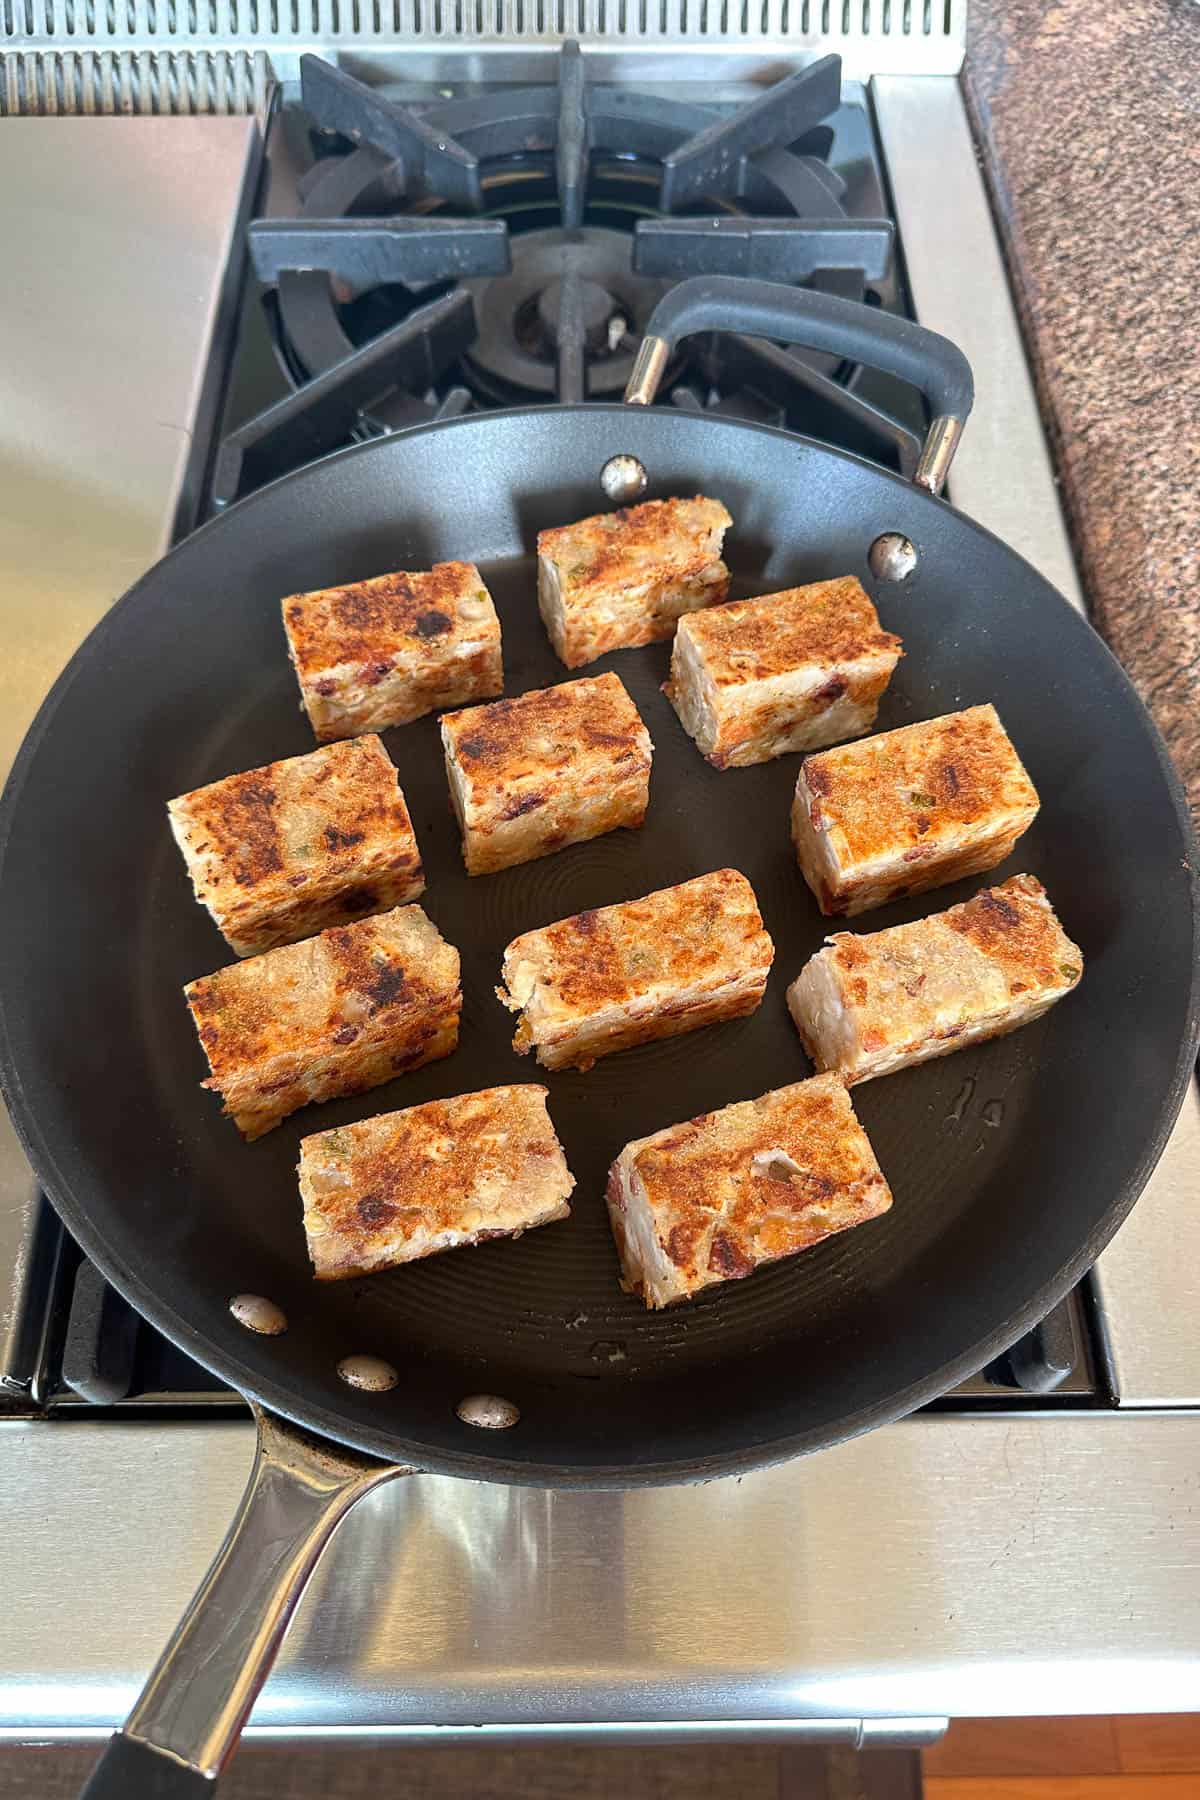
(556, 766)
(909, 810)
(385, 651)
(671, 962)
(755, 679)
(715, 1198)
(624, 578)
(337, 1014)
(282, 852)
(867, 1005)
(435, 1177)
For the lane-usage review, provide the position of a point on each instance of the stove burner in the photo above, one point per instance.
(597, 311)
(520, 316)
(582, 188)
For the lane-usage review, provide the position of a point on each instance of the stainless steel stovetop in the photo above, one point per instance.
(958, 1545)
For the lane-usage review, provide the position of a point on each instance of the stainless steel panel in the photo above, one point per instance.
(118, 236)
(940, 1567)
(1002, 472)
(72, 56)
(1148, 1279)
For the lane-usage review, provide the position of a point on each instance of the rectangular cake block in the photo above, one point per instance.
(281, 852)
(435, 1177)
(909, 810)
(385, 651)
(623, 578)
(604, 980)
(715, 1198)
(755, 679)
(554, 767)
(337, 1014)
(867, 1005)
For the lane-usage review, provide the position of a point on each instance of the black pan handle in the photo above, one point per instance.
(789, 315)
(189, 1717)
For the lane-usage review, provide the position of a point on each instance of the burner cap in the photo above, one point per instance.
(598, 307)
(515, 353)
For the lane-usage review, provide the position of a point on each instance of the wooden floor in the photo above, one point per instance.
(981, 1759)
(1154, 1757)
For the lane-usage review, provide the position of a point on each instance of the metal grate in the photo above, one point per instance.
(220, 55)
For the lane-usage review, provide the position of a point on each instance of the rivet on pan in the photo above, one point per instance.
(369, 1372)
(892, 557)
(623, 479)
(488, 1411)
(257, 1314)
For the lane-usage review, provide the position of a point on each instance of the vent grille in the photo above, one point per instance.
(73, 56)
(134, 81)
(39, 23)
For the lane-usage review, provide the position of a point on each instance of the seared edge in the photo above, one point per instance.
(609, 978)
(909, 810)
(865, 1006)
(385, 651)
(715, 1198)
(337, 1014)
(620, 579)
(553, 767)
(283, 851)
(435, 1177)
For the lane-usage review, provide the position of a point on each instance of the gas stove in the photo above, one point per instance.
(411, 218)
(419, 255)
(441, 253)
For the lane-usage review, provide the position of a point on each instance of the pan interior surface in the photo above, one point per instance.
(1011, 1162)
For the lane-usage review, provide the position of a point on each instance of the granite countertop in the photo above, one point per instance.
(1089, 119)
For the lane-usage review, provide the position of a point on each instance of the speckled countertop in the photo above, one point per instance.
(1089, 117)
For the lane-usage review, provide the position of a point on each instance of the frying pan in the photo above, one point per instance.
(1012, 1163)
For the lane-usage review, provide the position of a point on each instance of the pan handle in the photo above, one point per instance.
(187, 1721)
(770, 309)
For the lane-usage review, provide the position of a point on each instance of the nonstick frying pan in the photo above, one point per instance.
(1011, 1163)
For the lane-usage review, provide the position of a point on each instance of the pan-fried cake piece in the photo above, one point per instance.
(385, 651)
(281, 852)
(336, 1014)
(909, 810)
(756, 679)
(551, 768)
(867, 1005)
(604, 980)
(435, 1177)
(713, 1199)
(623, 578)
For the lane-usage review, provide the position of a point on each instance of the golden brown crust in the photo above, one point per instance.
(400, 611)
(383, 652)
(907, 810)
(865, 1006)
(329, 1015)
(623, 578)
(671, 945)
(284, 851)
(713, 1199)
(658, 539)
(756, 640)
(944, 774)
(550, 768)
(1015, 926)
(756, 679)
(543, 732)
(616, 976)
(435, 1177)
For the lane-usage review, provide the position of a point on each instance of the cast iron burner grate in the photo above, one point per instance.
(508, 249)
